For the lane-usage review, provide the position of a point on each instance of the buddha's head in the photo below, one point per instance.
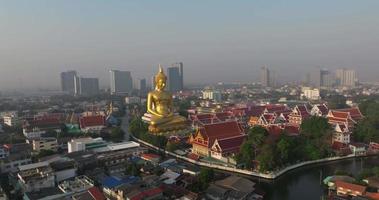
(160, 80)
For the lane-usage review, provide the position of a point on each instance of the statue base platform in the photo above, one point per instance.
(168, 129)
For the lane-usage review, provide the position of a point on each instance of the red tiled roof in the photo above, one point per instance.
(220, 131)
(203, 116)
(147, 193)
(372, 195)
(350, 186)
(323, 109)
(340, 114)
(96, 194)
(43, 122)
(92, 121)
(231, 145)
(302, 108)
(223, 116)
(354, 112)
(255, 111)
(149, 156)
(276, 108)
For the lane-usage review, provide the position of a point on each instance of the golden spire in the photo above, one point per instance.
(160, 75)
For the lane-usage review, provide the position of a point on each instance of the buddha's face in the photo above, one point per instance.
(161, 84)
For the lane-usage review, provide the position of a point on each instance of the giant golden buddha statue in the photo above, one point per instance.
(160, 114)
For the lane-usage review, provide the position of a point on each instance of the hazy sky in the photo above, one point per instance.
(217, 40)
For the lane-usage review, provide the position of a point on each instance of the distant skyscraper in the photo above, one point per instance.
(121, 82)
(325, 78)
(175, 77)
(142, 87)
(346, 77)
(321, 78)
(265, 76)
(68, 81)
(86, 86)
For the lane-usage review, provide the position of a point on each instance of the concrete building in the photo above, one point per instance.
(36, 176)
(132, 100)
(310, 93)
(346, 77)
(86, 86)
(214, 95)
(175, 77)
(79, 184)
(49, 143)
(82, 144)
(121, 82)
(13, 156)
(68, 81)
(11, 119)
(265, 77)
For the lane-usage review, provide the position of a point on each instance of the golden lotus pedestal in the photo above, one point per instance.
(170, 127)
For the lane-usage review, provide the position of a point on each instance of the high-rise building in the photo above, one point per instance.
(321, 78)
(68, 81)
(121, 82)
(265, 76)
(86, 86)
(346, 77)
(175, 77)
(142, 87)
(325, 78)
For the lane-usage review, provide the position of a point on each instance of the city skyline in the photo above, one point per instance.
(226, 42)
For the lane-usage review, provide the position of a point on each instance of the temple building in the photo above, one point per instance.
(218, 140)
(348, 116)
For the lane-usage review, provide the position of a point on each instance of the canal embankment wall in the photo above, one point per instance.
(269, 176)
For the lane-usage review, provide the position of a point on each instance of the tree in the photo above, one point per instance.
(375, 171)
(284, 146)
(205, 177)
(315, 127)
(367, 130)
(137, 127)
(171, 146)
(266, 158)
(257, 135)
(246, 154)
(117, 134)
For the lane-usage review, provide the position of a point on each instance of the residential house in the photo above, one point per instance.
(349, 189)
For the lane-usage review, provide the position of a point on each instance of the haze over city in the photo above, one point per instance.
(216, 40)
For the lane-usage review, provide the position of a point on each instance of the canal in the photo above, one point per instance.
(304, 183)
